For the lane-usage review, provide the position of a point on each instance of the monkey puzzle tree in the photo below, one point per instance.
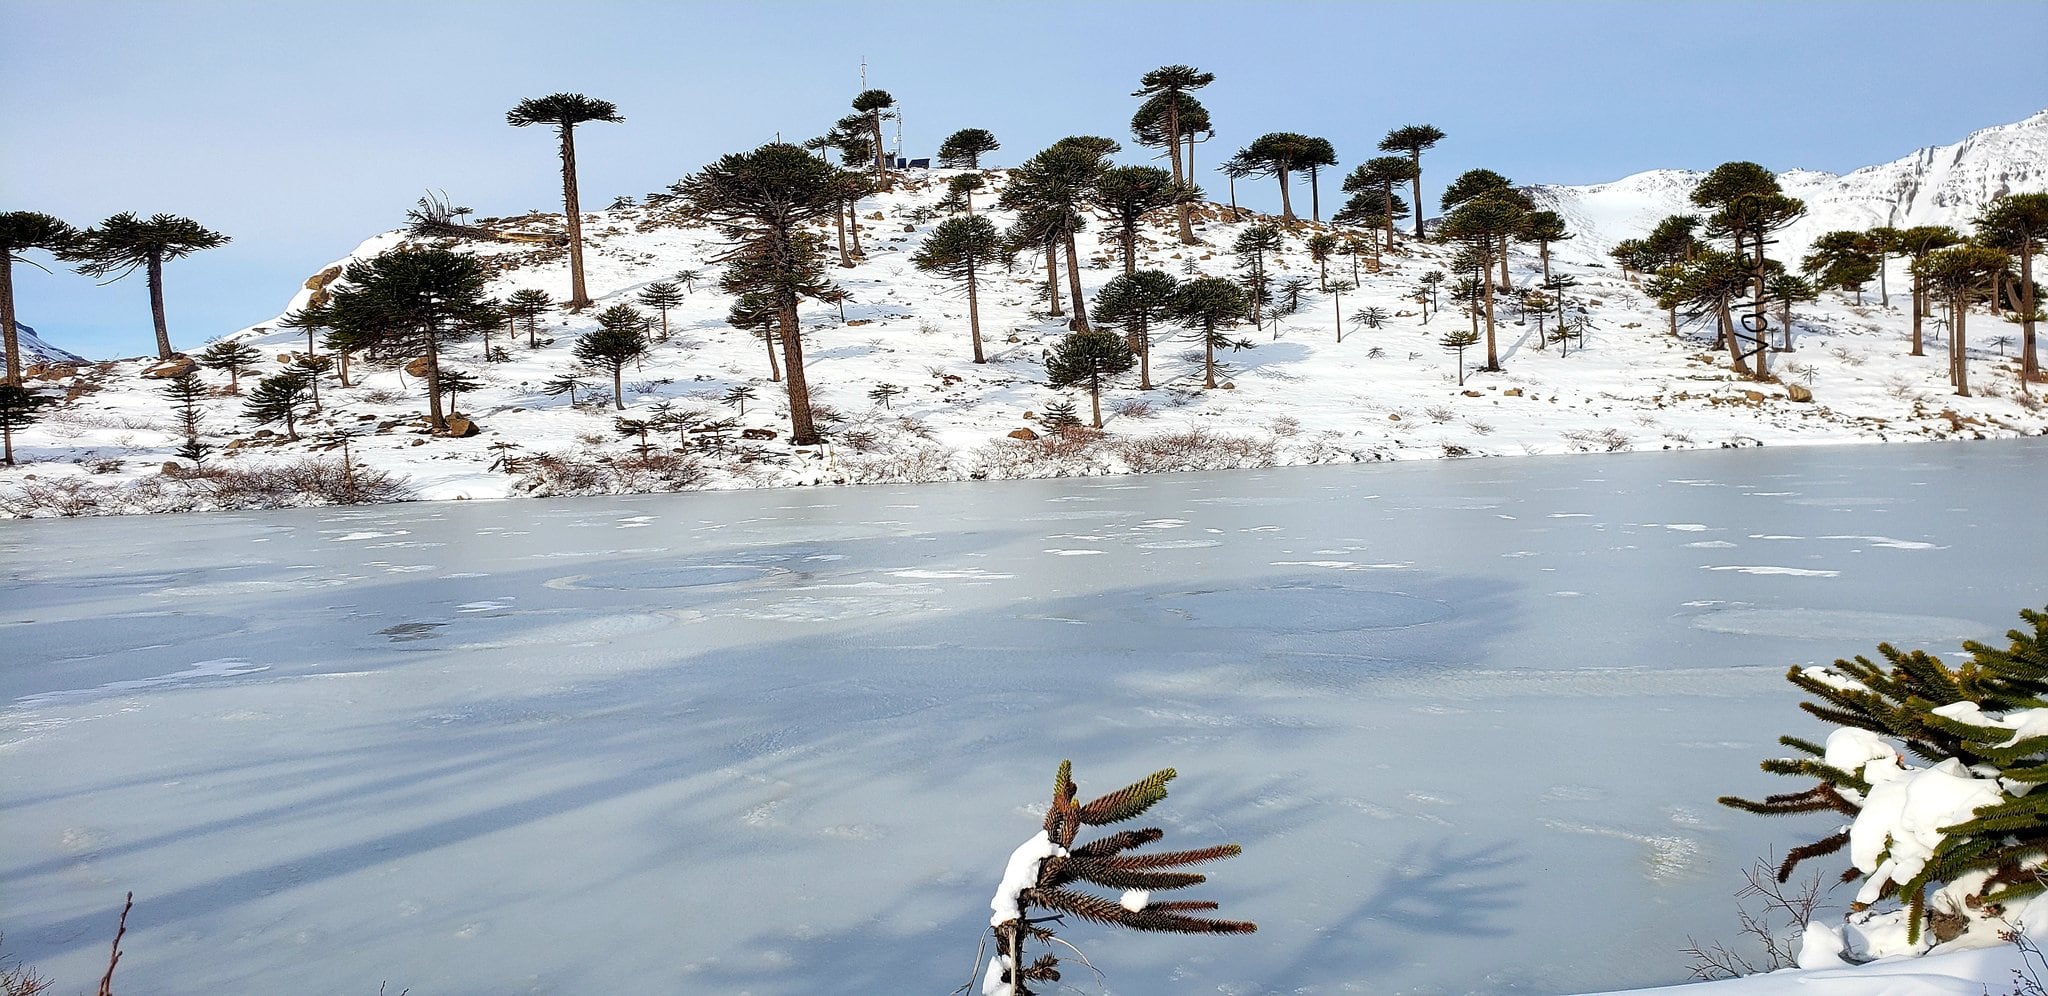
(125, 243)
(662, 295)
(1209, 305)
(1148, 129)
(1252, 247)
(761, 200)
(1320, 155)
(1747, 206)
(1480, 224)
(21, 231)
(754, 311)
(875, 107)
(1375, 179)
(2018, 223)
(410, 302)
(1412, 139)
(232, 357)
(1544, 228)
(960, 191)
(1171, 84)
(1884, 242)
(283, 397)
(1321, 246)
(565, 111)
(17, 412)
(529, 305)
(1136, 302)
(959, 248)
(1051, 188)
(1915, 243)
(615, 342)
(187, 392)
(1485, 184)
(1841, 260)
(1128, 193)
(1962, 274)
(1085, 358)
(963, 149)
(1278, 154)
(1707, 284)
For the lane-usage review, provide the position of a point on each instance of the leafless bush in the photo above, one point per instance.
(1772, 916)
(382, 395)
(860, 439)
(1286, 425)
(1598, 441)
(567, 474)
(64, 496)
(1479, 428)
(294, 485)
(1133, 408)
(17, 979)
(1456, 450)
(1067, 454)
(919, 465)
(1193, 449)
(1440, 413)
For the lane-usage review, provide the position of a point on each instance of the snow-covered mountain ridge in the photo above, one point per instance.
(1937, 185)
(904, 401)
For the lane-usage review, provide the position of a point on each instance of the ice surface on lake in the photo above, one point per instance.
(1468, 719)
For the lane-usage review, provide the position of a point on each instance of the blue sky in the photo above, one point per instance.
(301, 128)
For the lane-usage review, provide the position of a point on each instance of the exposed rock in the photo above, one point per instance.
(1024, 434)
(1755, 397)
(757, 433)
(1474, 394)
(1512, 392)
(177, 366)
(1798, 393)
(460, 427)
(416, 367)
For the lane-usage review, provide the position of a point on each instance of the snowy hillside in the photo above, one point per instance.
(34, 350)
(1938, 185)
(1300, 396)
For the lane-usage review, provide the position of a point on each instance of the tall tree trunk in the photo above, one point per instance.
(343, 368)
(618, 386)
(1492, 356)
(1505, 285)
(1727, 320)
(839, 218)
(881, 153)
(7, 335)
(1959, 354)
(1095, 396)
(853, 228)
(1919, 292)
(974, 315)
(1233, 198)
(801, 431)
(1130, 246)
(573, 208)
(1286, 207)
(1143, 334)
(435, 419)
(1416, 155)
(1052, 276)
(2030, 366)
(1181, 210)
(156, 306)
(1080, 322)
(1543, 252)
(1209, 358)
(1315, 197)
(1388, 193)
(768, 337)
(1884, 294)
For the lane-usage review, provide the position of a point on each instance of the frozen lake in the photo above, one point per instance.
(1467, 718)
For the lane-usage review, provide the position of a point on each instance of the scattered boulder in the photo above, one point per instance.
(461, 427)
(1474, 394)
(910, 228)
(1755, 397)
(177, 366)
(1798, 393)
(764, 434)
(1024, 434)
(1512, 392)
(416, 367)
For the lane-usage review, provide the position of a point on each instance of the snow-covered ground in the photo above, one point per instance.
(1299, 397)
(1468, 720)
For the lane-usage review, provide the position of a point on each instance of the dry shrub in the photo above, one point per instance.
(1073, 453)
(179, 489)
(1133, 408)
(920, 465)
(1193, 449)
(1597, 441)
(570, 474)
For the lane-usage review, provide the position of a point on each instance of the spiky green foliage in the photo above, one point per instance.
(963, 149)
(1208, 305)
(1975, 713)
(1137, 303)
(284, 397)
(17, 411)
(1169, 116)
(1107, 862)
(875, 107)
(1842, 260)
(617, 341)
(186, 392)
(411, 302)
(21, 231)
(232, 357)
(1127, 194)
(662, 295)
(529, 305)
(124, 243)
(1413, 139)
(1962, 275)
(1086, 359)
(2018, 224)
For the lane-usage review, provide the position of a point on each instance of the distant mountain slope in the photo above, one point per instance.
(34, 350)
(1938, 185)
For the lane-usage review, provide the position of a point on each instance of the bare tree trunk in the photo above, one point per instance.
(1416, 154)
(774, 368)
(156, 307)
(1130, 246)
(1144, 337)
(7, 323)
(343, 369)
(801, 431)
(1492, 356)
(853, 226)
(1727, 320)
(2030, 365)
(1959, 354)
(881, 153)
(974, 316)
(839, 218)
(1543, 251)
(1919, 292)
(573, 208)
(1052, 277)
(1884, 295)
(1315, 196)
(435, 419)
(1095, 396)
(1181, 210)
(1209, 358)
(1505, 285)
(1080, 322)
(1286, 206)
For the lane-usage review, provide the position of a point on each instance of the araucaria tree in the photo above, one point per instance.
(1915, 243)
(186, 393)
(1171, 84)
(1043, 871)
(1085, 359)
(2018, 223)
(662, 295)
(1137, 303)
(1480, 224)
(875, 107)
(284, 396)
(1208, 305)
(1049, 190)
(1412, 139)
(1127, 194)
(412, 302)
(21, 231)
(1747, 205)
(565, 111)
(958, 249)
(1279, 154)
(125, 243)
(963, 149)
(1962, 274)
(615, 342)
(232, 357)
(1372, 188)
(17, 412)
(762, 199)
(1842, 260)
(1936, 767)
(1252, 247)
(529, 305)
